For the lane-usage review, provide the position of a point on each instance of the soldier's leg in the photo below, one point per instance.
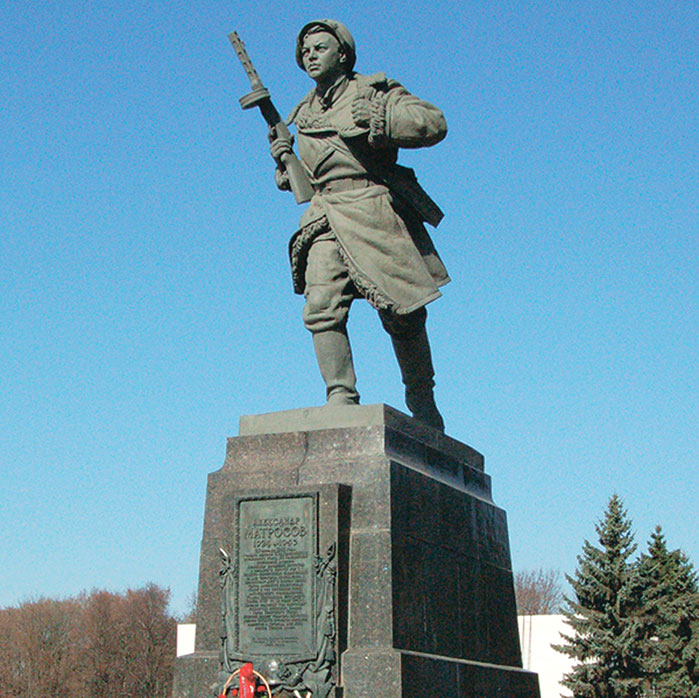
(409, 337)
(329, 294)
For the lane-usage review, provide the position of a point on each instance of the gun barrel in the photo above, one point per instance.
(242, 54)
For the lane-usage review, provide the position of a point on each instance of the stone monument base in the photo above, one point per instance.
(412, 591)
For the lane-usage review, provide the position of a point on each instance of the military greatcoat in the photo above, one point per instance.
(371, 206)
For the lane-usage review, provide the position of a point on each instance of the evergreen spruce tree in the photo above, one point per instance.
(667, 595)
(605, 632)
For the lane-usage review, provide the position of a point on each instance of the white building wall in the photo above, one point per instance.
(185, 638)
(536, 635)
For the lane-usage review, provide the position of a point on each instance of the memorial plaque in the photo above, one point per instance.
(276, 563)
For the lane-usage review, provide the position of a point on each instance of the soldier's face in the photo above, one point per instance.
(322, 56)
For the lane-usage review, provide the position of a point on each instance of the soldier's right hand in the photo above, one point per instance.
(279, 146)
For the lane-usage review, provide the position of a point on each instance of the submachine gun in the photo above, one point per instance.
(260, 97)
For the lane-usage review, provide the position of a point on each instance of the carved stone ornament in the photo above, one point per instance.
(285, 676)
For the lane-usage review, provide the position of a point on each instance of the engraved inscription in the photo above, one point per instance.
(276, 561)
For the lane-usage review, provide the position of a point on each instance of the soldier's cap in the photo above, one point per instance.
(338, 30)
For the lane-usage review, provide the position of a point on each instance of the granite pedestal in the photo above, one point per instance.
(424, 598)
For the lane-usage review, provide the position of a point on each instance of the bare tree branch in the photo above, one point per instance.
(538, 592)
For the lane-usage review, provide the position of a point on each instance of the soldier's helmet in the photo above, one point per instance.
(338, 30)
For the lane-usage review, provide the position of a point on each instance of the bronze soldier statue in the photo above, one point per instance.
(363, 234)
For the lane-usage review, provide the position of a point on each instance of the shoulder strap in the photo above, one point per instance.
(294, 112)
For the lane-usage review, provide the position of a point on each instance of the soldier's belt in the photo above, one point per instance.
(335, 186)
(399, 180)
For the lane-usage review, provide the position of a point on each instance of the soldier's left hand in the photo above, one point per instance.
(361, 111)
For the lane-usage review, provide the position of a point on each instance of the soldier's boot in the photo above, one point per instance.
(334, 357)
(415, 361)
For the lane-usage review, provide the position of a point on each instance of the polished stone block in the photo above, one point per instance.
(426, 594)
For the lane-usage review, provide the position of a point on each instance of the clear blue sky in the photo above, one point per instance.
(145, 296)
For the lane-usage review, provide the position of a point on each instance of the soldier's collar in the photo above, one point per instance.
(377, 80)
(328, 97)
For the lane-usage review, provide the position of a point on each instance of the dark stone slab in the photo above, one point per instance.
(369, 672)
(353, 417)
(463, 679)
(424, 560)
(452, 586)
(196, 675)
(370, 614)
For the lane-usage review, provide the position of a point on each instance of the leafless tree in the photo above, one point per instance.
(150, 650)
(93, 646)
(190, 612)
(538, 592)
